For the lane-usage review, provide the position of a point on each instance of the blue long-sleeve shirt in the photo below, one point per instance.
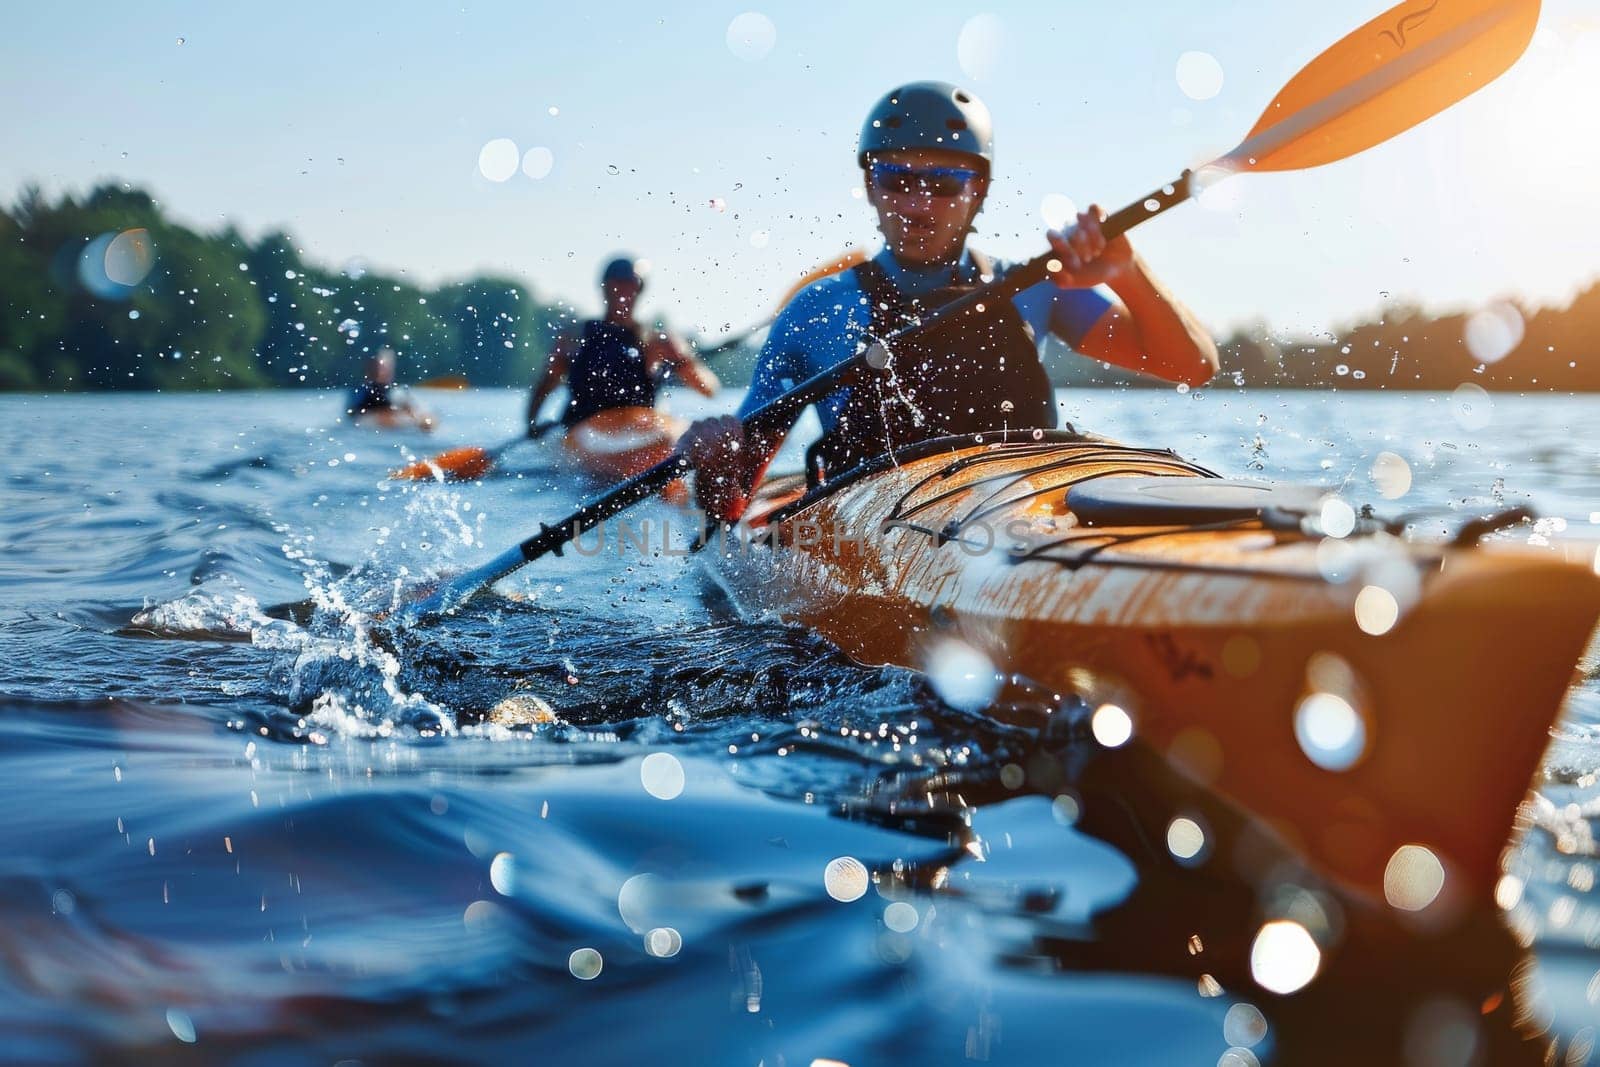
(827, 323)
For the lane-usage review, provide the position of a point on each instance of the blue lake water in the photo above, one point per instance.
(231, 839)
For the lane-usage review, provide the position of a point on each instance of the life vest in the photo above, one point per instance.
(975, 374)
(607, 372)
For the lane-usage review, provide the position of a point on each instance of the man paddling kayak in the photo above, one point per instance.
(926, 150)
(612, 362)
(374, 401)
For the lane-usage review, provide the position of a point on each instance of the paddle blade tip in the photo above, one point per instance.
(1400, 69)
(457, 465)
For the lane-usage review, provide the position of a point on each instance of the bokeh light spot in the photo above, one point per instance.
(751, 36)
(663, 942)
(498, 159)
(979, 45)
(1377, 610)
(1494, 332)
(1471, 406)
(901, 917)
(1112, 726)
(1392, 475)
(963, 677)
(845, 879)
(1186, 840)
(1058, 210)
(662, 775)
(537, 162)
(129, 257)
(1412, 878)
(503, 874)
(1329, 731)
(585, 964)
(1199, 75)
(1284, 958)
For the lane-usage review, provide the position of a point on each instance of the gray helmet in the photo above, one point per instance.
(929, 115)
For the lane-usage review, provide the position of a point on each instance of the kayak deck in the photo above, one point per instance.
(1243, 650)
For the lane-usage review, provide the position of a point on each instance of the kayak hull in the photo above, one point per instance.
(1212, 639)
(397, 419)
(621, 442)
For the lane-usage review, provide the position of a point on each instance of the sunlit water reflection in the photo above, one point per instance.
(600, 817)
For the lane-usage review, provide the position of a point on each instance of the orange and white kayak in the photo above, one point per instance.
(1381, 703)
(621, 442)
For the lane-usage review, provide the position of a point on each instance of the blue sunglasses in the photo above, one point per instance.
(930, 181)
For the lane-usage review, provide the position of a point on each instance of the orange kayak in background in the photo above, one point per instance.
(1381, 704)
(621, 442)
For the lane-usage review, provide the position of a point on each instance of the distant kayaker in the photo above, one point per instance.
(375, 400)
(926, 150)
(613, 362)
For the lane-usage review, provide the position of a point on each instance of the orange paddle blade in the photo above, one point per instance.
(456, 465)
(445, 381)
(821, 271)
(1409, 63)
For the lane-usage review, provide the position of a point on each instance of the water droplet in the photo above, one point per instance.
(1199, 75)
(963, 676)
(1412, 878)
(1284, 958)
(1493, 333)
(585, 964)
(537, 162)
(498, 159)
(613, 169)
(845, 879)
(979, 45)
(1058, 210)
(751, 36)
(1186, 840)
(503, 873)
(1471, 406)
(1329, 731)
(663, 942)
(1111, 726)
(662, 775)
(1377, 610)
(1244, 1026)
(901, 917)
(178, 1022)
(1337, 517)
(182, 40)
(1392, 475)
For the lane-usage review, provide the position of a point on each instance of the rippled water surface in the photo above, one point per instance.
(598, 817)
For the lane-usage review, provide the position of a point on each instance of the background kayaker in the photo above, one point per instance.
(612, 361)
(926, 149)
(376, 399)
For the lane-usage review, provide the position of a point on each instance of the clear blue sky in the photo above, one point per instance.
(358, 127)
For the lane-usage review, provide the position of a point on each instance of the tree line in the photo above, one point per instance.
(106, 292)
